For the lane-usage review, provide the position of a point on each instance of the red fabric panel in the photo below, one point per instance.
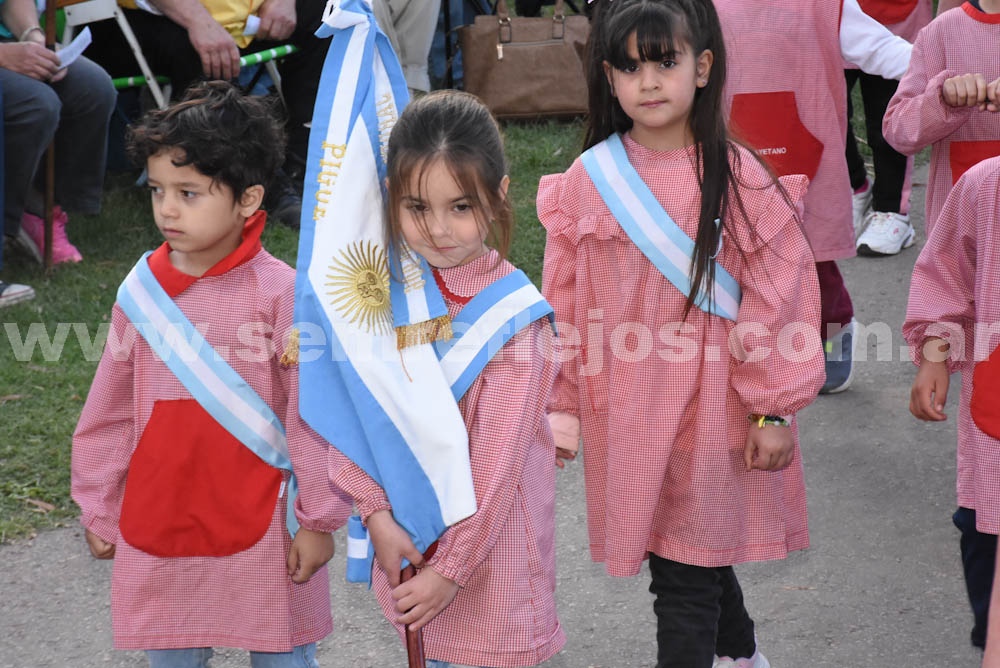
(193, 489)
(965, 154)
(770, 123)
(985, 404)
(888, 12)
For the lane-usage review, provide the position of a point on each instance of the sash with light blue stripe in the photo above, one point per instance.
(652, 229)
(213, 383)
(481, 329)
(485, 324)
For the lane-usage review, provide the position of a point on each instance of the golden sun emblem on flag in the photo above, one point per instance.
(358, 283)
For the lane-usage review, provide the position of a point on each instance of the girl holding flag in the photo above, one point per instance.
(687, 300)
(485, 595)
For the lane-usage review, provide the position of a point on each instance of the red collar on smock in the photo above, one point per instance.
(175, 281)
(980, 15)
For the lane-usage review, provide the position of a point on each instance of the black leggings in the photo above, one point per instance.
(699, 613)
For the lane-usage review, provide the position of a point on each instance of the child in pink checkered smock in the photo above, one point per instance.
(947, 98)
(486, 596)
(173, 465)
(685, 403)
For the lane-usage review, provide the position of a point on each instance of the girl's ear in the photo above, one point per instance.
(251, 199)
(504, 184)
(704, 67)
(607, 72)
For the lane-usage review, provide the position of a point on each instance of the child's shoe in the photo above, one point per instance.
(62, 249)
(758, 660)
(14, 293)
(839, 352)
(886, 233)
(861, 202)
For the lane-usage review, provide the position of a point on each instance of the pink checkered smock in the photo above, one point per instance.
(956, 281)
(663, 404)
(503, 556)
(960, 41)
(245, 600)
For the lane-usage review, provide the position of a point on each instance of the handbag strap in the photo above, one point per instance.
(504, 14)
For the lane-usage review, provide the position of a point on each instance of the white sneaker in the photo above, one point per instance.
(758, 660)
(861, 203)
(886, 233)
(14, 293)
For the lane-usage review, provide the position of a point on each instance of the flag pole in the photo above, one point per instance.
(414, 639)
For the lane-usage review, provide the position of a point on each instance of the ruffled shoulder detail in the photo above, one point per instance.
(769, 203)
(569, 205)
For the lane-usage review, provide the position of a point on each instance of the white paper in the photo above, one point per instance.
(253, 23)
(74, 49)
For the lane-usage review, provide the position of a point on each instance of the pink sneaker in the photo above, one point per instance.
(62, 249)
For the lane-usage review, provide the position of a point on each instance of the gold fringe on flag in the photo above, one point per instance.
(291, 354)
(428, 331)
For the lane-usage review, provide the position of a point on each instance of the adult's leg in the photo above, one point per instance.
(890, 165)
(31, 112)
(688, 607)
(164, 44)
(855, 163)
(300, 74)
(81, 141)
(415, 22)
(979, 552)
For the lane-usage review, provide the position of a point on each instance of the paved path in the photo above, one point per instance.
(880, 586)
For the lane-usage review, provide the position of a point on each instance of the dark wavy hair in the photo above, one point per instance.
(234, 139)
(664, 27)
(458, 129)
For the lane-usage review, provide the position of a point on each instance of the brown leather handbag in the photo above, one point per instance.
(527, 67)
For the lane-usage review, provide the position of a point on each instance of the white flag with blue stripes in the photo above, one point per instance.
(390, 411)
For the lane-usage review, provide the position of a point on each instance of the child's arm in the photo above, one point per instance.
(559, 288)
(391, 542)
(870, 45)
(309, 552)
(918, 114)
(104, 440)
(930, 388)
(940, 313)
(776, 338)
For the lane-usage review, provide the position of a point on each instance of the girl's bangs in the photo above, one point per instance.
(659, 33)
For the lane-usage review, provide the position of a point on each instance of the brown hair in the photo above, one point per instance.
(233, 139)
(458, 129)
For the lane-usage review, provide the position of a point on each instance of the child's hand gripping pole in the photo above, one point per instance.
(415, 639)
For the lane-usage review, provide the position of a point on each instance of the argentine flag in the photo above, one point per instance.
(391, 411)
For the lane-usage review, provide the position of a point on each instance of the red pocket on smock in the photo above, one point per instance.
(770, 123)
(193, 490)
(964, 155)
(985, 404)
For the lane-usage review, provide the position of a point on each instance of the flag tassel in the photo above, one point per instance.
(427, 331)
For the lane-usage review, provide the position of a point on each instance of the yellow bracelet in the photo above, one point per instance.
(761, 420)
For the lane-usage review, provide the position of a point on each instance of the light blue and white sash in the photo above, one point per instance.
(210, 380)
(485, 324)
(389, 411)
(652, 229)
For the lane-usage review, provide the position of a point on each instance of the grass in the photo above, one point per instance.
(42, 389)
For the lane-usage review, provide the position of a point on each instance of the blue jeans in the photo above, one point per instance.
(303, 656)
(433, 663)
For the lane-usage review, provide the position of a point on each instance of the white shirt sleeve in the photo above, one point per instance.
(868, 44)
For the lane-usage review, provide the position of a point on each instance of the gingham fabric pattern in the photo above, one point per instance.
(957, 42)
(245, 600)
(955, 282)
(662, 402)
(504, 555)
